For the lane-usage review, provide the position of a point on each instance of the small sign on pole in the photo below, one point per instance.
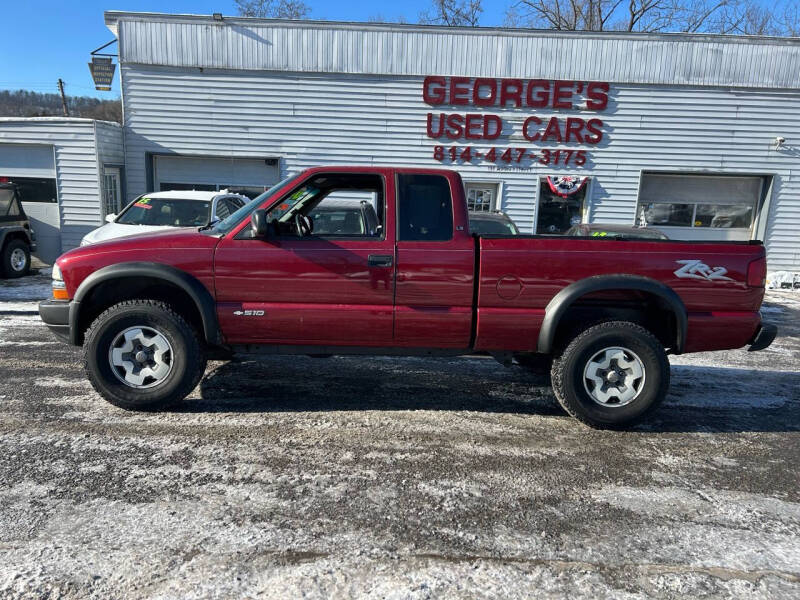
(102, 70)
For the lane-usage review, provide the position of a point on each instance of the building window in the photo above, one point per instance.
(481, 197)
(562, 203)
(699, 201)
(33, 189)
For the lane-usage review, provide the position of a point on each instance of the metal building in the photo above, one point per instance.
(696, 135)
(69, 174)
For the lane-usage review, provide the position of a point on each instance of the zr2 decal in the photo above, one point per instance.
(697, 269)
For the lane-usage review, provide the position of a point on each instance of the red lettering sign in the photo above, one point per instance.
(485, 92)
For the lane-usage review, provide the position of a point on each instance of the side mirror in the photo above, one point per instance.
(110, 218)
(258, 223)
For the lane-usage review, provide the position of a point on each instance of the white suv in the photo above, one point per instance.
(161, 210)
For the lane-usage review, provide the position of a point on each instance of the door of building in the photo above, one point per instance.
(112, 190)
(246, 176)
(701, 207)
(32, 169)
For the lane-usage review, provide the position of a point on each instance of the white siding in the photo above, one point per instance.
(110, 150)
(76, 168)
(361, 48)
(310, 120)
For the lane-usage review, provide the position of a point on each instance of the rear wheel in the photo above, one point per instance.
(142, 355)
(16, 259)
(612, 374)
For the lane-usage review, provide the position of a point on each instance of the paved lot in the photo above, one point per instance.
(405, 478)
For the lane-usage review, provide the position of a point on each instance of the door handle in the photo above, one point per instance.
(380, 260)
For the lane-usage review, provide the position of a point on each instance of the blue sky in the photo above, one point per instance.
(42, 41)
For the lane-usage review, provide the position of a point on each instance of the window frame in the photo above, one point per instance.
(312, 237)
(397, 212)
(760, 206)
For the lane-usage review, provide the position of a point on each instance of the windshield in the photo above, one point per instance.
(173, 212)
(235, 218)
(490, 226)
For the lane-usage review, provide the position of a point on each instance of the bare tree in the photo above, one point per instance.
(453, 13)
(719, 16)
(278, 9)
(789, 23)
(381, 18)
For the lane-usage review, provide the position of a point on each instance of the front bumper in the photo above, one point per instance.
(55, 314)
(764, 336)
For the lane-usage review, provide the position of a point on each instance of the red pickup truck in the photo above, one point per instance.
(603, 313)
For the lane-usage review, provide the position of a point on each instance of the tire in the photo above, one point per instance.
(16, 259)
(629, 349)
(178, 347)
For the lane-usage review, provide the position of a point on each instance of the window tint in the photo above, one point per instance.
(6, 201)
(425, 208)
(667, 214)
(491, 226)
(33, 189)
(223, 209)
(173, 212)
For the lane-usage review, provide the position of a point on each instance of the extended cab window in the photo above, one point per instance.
(424, 207)
(332, 205)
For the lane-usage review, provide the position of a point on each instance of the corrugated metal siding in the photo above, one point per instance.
(310, 120)
(76, 169)
(318, 47)
(110, 150)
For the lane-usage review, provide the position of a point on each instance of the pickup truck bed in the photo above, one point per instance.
(515, 295)
(149, 309)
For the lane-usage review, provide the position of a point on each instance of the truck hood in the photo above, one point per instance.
(169, 238)
(118, 230)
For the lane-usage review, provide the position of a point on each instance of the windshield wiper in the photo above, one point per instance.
(209, 225)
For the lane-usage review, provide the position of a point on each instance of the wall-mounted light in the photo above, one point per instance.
(779, 141)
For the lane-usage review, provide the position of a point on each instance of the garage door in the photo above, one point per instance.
(244, 176)
(32, 168)
(701, 207)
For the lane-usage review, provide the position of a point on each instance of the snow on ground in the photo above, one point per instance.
(400, 478)
(29, 289)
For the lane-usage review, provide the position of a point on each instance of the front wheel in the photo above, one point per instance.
(142, 355)
(612, 374)
(16, 259)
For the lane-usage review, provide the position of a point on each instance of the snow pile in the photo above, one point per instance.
(783, 280)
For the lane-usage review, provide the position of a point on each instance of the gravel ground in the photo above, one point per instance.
(395, 478)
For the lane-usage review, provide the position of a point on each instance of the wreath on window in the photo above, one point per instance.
(566, 186)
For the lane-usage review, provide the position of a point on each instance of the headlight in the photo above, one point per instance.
(59, 287)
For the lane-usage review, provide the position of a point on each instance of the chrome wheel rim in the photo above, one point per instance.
(18, 259)
(140, 357)
(614, 377)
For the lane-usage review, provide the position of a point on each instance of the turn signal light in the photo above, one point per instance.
(757, 273)
(60, 294)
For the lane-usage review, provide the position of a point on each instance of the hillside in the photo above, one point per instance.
(23, 103)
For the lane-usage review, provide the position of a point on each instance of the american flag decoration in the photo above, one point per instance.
(567, 185)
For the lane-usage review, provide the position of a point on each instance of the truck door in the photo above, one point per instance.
(435, 262)
(333, 286)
